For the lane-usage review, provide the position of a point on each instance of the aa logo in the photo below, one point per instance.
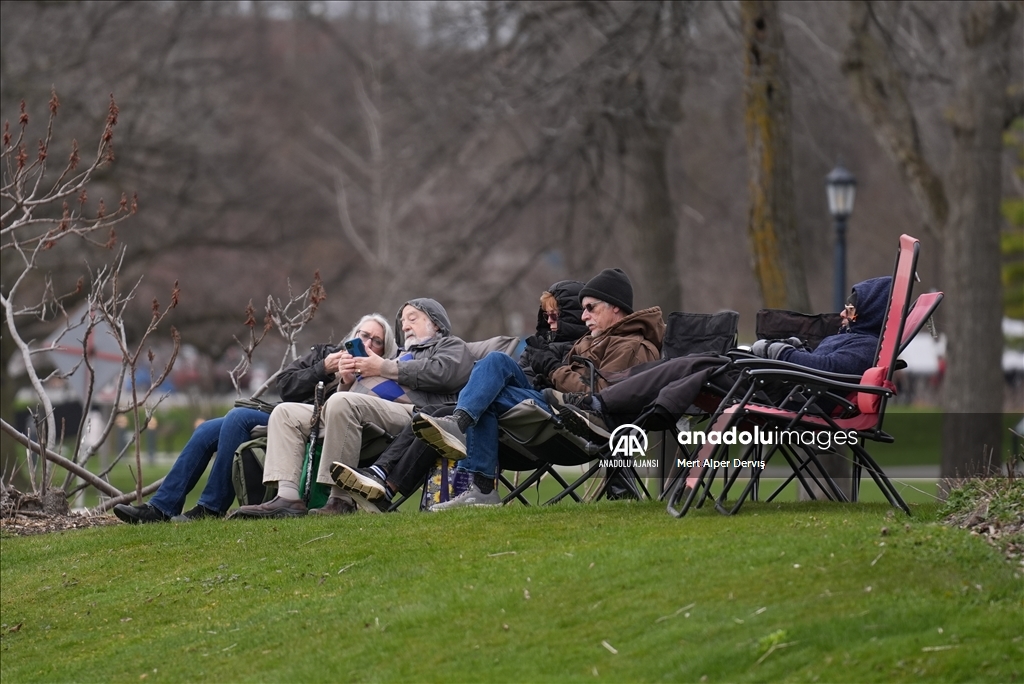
(628, 440)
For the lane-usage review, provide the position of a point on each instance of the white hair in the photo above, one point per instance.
(390, 345)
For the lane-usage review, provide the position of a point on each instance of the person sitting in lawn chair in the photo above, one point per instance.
(433, 366)
(619, 338)
(402, 467)
(672, 385)
(222, 436)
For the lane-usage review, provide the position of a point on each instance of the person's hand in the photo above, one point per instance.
(776, 349)
(760, 348)
(333, 361)
(346, 367)
(543, 361)
(772, 349)
(535, 342)
(368, 366)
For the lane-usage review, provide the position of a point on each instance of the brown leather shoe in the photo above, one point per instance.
(275, 508)
(336, 505)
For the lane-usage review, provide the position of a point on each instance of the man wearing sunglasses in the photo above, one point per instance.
(619, 338)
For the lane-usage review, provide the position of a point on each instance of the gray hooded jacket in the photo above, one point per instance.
(440, 367)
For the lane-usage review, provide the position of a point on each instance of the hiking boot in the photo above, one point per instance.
(585, 424)
(360, 480)
(442, 434)
(335, 505)
(559, 400)
(197, 512)
(275, 508)
(471, 497)
(137, 515)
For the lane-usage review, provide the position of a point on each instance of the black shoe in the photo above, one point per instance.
(558, 400)
(136, 515)
(360, 480)
(196, 513)
(586, 424)
(381, 505)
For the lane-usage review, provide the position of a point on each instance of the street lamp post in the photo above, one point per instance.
(842, 187)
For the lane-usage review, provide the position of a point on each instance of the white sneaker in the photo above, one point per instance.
(471, 497)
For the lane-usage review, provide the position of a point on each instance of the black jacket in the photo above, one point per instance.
(298, 380)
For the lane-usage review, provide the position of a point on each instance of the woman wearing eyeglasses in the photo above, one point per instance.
(223, 436)
(559, 325)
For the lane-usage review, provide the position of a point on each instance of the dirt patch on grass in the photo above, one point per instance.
(992, 508)
(23, 524)
(25, 514)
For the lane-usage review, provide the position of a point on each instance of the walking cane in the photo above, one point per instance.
(314, 433)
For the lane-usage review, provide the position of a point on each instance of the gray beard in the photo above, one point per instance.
(410, 340)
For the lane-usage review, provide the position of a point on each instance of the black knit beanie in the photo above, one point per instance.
(610, 285)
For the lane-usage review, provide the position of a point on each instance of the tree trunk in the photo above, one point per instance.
(964, 212)
(973, 392)
(775, 247)
(655, 226)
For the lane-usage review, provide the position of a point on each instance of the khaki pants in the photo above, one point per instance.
(341, 425)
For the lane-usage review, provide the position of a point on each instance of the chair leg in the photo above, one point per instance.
(680, 492)
(571, 489)
(508, 485)
(516, 492)
(881, 479)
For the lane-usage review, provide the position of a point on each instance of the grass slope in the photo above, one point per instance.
(615, 591)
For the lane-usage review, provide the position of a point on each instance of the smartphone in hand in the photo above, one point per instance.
(355, 347)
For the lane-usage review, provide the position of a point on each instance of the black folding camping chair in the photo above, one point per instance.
(532, 439)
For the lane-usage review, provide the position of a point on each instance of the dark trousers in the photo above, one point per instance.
(670, 384)
(407, 460)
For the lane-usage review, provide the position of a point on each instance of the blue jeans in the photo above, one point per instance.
(496, 384)
(218, 435)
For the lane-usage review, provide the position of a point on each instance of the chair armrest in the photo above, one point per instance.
(804, 376)
(758, 362)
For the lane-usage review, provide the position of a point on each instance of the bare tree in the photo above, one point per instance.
(43, 211)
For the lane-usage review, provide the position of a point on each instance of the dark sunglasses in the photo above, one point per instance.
(551, 315)
(589, 308)
(367, 337)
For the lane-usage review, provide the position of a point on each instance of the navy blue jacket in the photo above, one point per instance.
(852, 351)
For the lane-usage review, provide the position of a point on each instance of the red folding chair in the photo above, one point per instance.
(817, 402)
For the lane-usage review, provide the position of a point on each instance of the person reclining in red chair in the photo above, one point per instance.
(672, 385)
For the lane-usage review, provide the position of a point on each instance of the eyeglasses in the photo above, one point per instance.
(367, 337)
(589, 308)
(552, 316)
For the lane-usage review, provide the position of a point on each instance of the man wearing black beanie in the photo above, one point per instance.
(619, 339)
(612, 286)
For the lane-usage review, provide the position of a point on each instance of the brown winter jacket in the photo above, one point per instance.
(635, 339)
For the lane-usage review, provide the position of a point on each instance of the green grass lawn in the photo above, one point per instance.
(615, 591)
